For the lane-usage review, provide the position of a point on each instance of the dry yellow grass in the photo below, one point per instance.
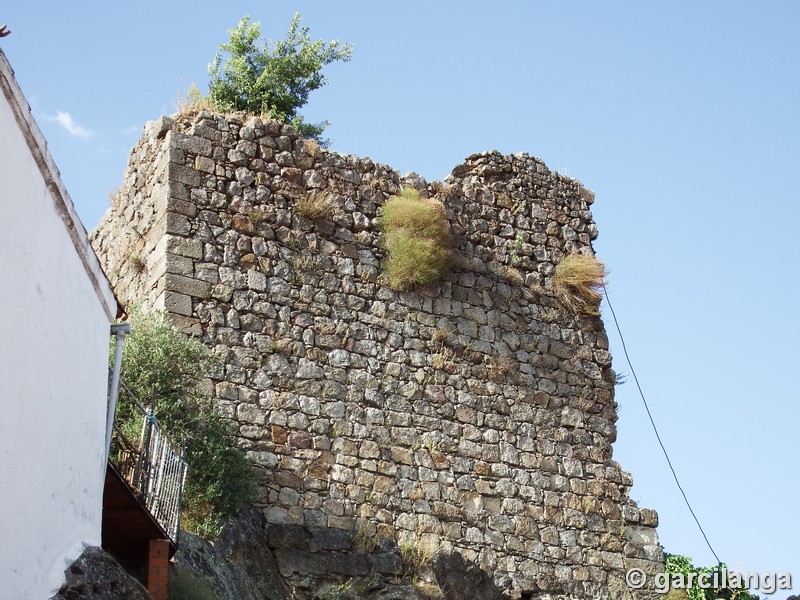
(424, 218)
(416, 238)
(315, 205)
(193, 102)
(500, 366)
(512, 275)
(578, 279)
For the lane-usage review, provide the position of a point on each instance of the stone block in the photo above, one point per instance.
(641, 535)
(180, 265)
(184, 175)
(177, 224)
(328, 539)
(648, 517)
(288, 536)
(256, 280)
(292, 560)
(347, 564)
(190, 247)
(177, 303)
(187, 285)
(205, 164)
(386, 563)
(190, 143)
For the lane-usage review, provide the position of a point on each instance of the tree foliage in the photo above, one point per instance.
(676, 563)
(272, 77)
(160, 362)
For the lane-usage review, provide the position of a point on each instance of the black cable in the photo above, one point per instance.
(655, 429)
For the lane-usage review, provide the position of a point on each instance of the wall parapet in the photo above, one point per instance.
(475, 415)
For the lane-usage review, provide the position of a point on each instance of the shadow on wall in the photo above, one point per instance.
(250, 561)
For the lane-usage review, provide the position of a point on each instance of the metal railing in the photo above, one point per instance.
(152, 465)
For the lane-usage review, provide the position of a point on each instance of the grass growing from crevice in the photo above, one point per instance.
(334, 592)
(417, 240)
(315, 205)
(578, 279)
(365, 538)
(417, 555)
(193, 102)
(512, 275)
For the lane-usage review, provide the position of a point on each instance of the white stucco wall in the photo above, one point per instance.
(54, 332)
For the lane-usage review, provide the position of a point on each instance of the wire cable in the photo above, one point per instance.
(655, 429)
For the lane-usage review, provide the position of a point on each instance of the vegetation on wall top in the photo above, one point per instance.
(272, 77)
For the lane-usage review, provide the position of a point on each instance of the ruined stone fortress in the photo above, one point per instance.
(475, 416)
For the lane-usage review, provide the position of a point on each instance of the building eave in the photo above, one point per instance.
(52, 178)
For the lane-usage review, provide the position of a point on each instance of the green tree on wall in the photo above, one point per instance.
(273, 77)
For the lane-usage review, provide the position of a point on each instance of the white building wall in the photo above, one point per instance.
(55, 309)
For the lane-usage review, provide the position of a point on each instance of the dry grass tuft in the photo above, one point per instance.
(315, 205)
(424, 218)
(256, 216)
(443, 359)
(512, 275)
(416, 238)
(365, 537)
(413, 261)
(136, 262)
(577, 280)
(417, 554)
(429, 590)
(502, 366)
(194, 102)
(587, 195)
(114, 196)
(537, 288)
(310, 147)
(304, 262)
(444, 337)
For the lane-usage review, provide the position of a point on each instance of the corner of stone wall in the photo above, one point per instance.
(130, 239)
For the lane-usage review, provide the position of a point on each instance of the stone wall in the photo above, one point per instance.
(476, 415)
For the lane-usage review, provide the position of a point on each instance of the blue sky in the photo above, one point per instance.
(680, 116)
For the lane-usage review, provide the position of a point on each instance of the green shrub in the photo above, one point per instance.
(161, 360)
(416, 240)
(334, 592)
(675, 563)
(423, 218)
(414, 261)
(273, 77)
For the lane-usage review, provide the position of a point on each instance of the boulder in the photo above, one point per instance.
(97, 576)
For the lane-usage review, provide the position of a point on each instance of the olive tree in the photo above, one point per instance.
(159, 362)
(272, 77)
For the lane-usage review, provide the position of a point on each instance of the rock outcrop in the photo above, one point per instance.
(97, 576)
(239, 565)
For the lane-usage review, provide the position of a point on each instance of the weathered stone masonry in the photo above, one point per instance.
(476, 415)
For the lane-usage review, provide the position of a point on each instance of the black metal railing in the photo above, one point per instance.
(147, 459)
